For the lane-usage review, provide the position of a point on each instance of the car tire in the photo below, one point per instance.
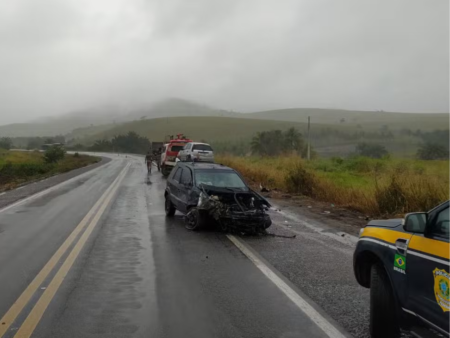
(383, 314)
(189, 158)
(165, 171)
(194, 220)
(169, 207)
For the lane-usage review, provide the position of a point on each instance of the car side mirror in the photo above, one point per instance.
(415, 222)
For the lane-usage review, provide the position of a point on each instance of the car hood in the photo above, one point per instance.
(386, 223)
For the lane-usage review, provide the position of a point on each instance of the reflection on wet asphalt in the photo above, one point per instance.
(142, 274)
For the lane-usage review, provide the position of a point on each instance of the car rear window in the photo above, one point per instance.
(205, 147)
(219, 178)
(176, 148)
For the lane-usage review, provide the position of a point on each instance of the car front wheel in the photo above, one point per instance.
(383, 315)
(194, 220)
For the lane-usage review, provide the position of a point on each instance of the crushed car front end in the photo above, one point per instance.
(235, 211)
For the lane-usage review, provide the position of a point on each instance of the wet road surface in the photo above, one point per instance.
(96, 257)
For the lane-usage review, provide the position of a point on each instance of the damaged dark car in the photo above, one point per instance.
(209, 193)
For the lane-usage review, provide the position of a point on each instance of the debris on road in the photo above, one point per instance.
(278, 235)
(263, 189)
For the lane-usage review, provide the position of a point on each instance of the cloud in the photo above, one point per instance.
(59, 56)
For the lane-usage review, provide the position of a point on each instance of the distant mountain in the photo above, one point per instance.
(90, 119)
(63, 124)
(176, 108)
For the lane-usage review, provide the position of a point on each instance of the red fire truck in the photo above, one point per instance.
(170, 151)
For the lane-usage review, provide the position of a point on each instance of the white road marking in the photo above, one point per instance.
(329, 329)
(2, 193)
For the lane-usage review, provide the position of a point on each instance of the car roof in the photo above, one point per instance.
(199, 143)
(204, 165)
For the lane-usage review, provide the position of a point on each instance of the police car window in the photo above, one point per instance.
(441, 225)
(177, 175)
(186, 176)
(204, 147)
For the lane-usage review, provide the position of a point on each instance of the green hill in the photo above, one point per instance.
(368, 120)
(175, 108)
(90, 122)
(38, 129)
(200, 128)
(327, 139)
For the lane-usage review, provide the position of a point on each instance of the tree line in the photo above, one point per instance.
(277, 142)
(129, 143)
(29, 143)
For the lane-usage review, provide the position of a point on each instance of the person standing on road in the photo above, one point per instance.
(148, 160)
(157, 156)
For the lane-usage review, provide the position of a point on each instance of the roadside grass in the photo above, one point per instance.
(377, 187)
(17, 167)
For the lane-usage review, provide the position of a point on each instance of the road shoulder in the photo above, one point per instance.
(27, 190)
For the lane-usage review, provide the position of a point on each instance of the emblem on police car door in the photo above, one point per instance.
(441, 288)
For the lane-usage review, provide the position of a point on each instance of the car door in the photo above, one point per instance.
(428, 270)
(175, 188)
(186, 183)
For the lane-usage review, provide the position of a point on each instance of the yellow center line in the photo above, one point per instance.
(28, 326)
(26, 295)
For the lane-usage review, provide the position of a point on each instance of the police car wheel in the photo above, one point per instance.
(169, 208)
(383, 315)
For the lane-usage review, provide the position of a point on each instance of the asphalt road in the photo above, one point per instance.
(96, 257)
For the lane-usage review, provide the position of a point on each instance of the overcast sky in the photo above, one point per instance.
(58, 56)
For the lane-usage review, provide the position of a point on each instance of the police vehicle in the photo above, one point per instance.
(405, 263)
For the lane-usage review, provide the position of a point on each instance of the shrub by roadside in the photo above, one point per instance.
(54, 154)
(378, 187)
(20, 167)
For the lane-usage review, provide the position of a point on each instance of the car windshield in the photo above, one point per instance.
(219, 178)
(176, 148)
(205, 147)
